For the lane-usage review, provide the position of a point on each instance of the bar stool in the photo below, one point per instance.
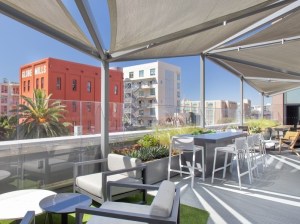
(186, 144)
(258, 147)
(252, 153)
(239, 147)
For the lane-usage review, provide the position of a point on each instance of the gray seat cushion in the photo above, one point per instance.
(119, 162)
(163, 201)
(92, 183)
(120, 206)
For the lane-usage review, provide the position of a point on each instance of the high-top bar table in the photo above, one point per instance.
(210, 142)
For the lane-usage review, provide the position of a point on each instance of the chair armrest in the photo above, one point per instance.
(120, 215)
(89, 162)
(140, 167)
(128, 185)
(28, 218)
(108, 173)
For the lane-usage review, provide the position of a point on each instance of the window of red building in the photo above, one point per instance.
(24, 86)
(28, 85)
(58, 83)
(89, 86)
(37, 83)
(42, 83)
(116, 89)
(74, 84)
(89, 106)
(74, 106)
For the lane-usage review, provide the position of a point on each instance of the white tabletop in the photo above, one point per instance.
(4, 174)
(14, 204)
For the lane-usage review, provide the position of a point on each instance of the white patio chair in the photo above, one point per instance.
(185, 144)
(240, 147)
(252, 153)
(120, 169)
(258, 147)
(165, 207)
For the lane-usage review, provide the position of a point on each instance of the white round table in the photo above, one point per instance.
(4, 174)
(14, 204)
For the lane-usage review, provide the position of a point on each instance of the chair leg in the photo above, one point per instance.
(213, 172)
(225, 165)
(203, 166)
(238, 170)
(193, 168)
(169, 165)
(249, 167)
(180, 164)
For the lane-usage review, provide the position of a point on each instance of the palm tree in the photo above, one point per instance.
(5, 128)
(40, 118)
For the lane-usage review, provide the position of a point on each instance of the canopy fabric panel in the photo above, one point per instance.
(140, 28)
(50, 15)
(285, 27)
(284, 57)
(263, 80)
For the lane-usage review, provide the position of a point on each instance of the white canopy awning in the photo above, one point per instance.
(51, 18)
(288, 26)
(169, 28)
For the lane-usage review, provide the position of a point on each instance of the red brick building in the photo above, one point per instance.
(78, 86)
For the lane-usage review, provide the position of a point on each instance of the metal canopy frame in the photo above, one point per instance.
(105, 57)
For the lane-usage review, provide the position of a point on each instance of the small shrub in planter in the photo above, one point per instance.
(145, 154)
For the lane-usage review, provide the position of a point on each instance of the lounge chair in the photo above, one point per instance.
(119, 168)
(165, 207)
(290, 139)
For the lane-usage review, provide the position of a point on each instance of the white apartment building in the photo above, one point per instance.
(151, 93)
(9, 97)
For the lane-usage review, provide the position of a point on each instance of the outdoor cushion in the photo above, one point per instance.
(89, 184)
(163, 201)
(118, 162)
(120, 206)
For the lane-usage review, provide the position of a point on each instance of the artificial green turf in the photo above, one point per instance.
(188, 215)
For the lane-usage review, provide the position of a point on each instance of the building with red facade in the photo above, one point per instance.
(78, 87)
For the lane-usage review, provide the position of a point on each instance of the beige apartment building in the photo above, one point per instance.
(151, 93)
(9, 97)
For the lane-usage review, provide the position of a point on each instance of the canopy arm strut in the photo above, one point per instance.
(86, 13)
(256, 65)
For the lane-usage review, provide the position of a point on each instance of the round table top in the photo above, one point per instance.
(14, 204)
(64, 202)
(4, 174)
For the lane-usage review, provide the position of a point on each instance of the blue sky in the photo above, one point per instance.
(20, 45)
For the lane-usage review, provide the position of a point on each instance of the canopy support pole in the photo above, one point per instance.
(262, 105)
(202, 89)
(242, 101)
(104, 109)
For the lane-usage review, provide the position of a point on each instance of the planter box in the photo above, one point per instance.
(157, 170)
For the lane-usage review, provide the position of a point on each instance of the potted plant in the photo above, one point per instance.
(154, 155)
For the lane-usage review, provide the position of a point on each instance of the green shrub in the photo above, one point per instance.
(148, 141)
(260, 123)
